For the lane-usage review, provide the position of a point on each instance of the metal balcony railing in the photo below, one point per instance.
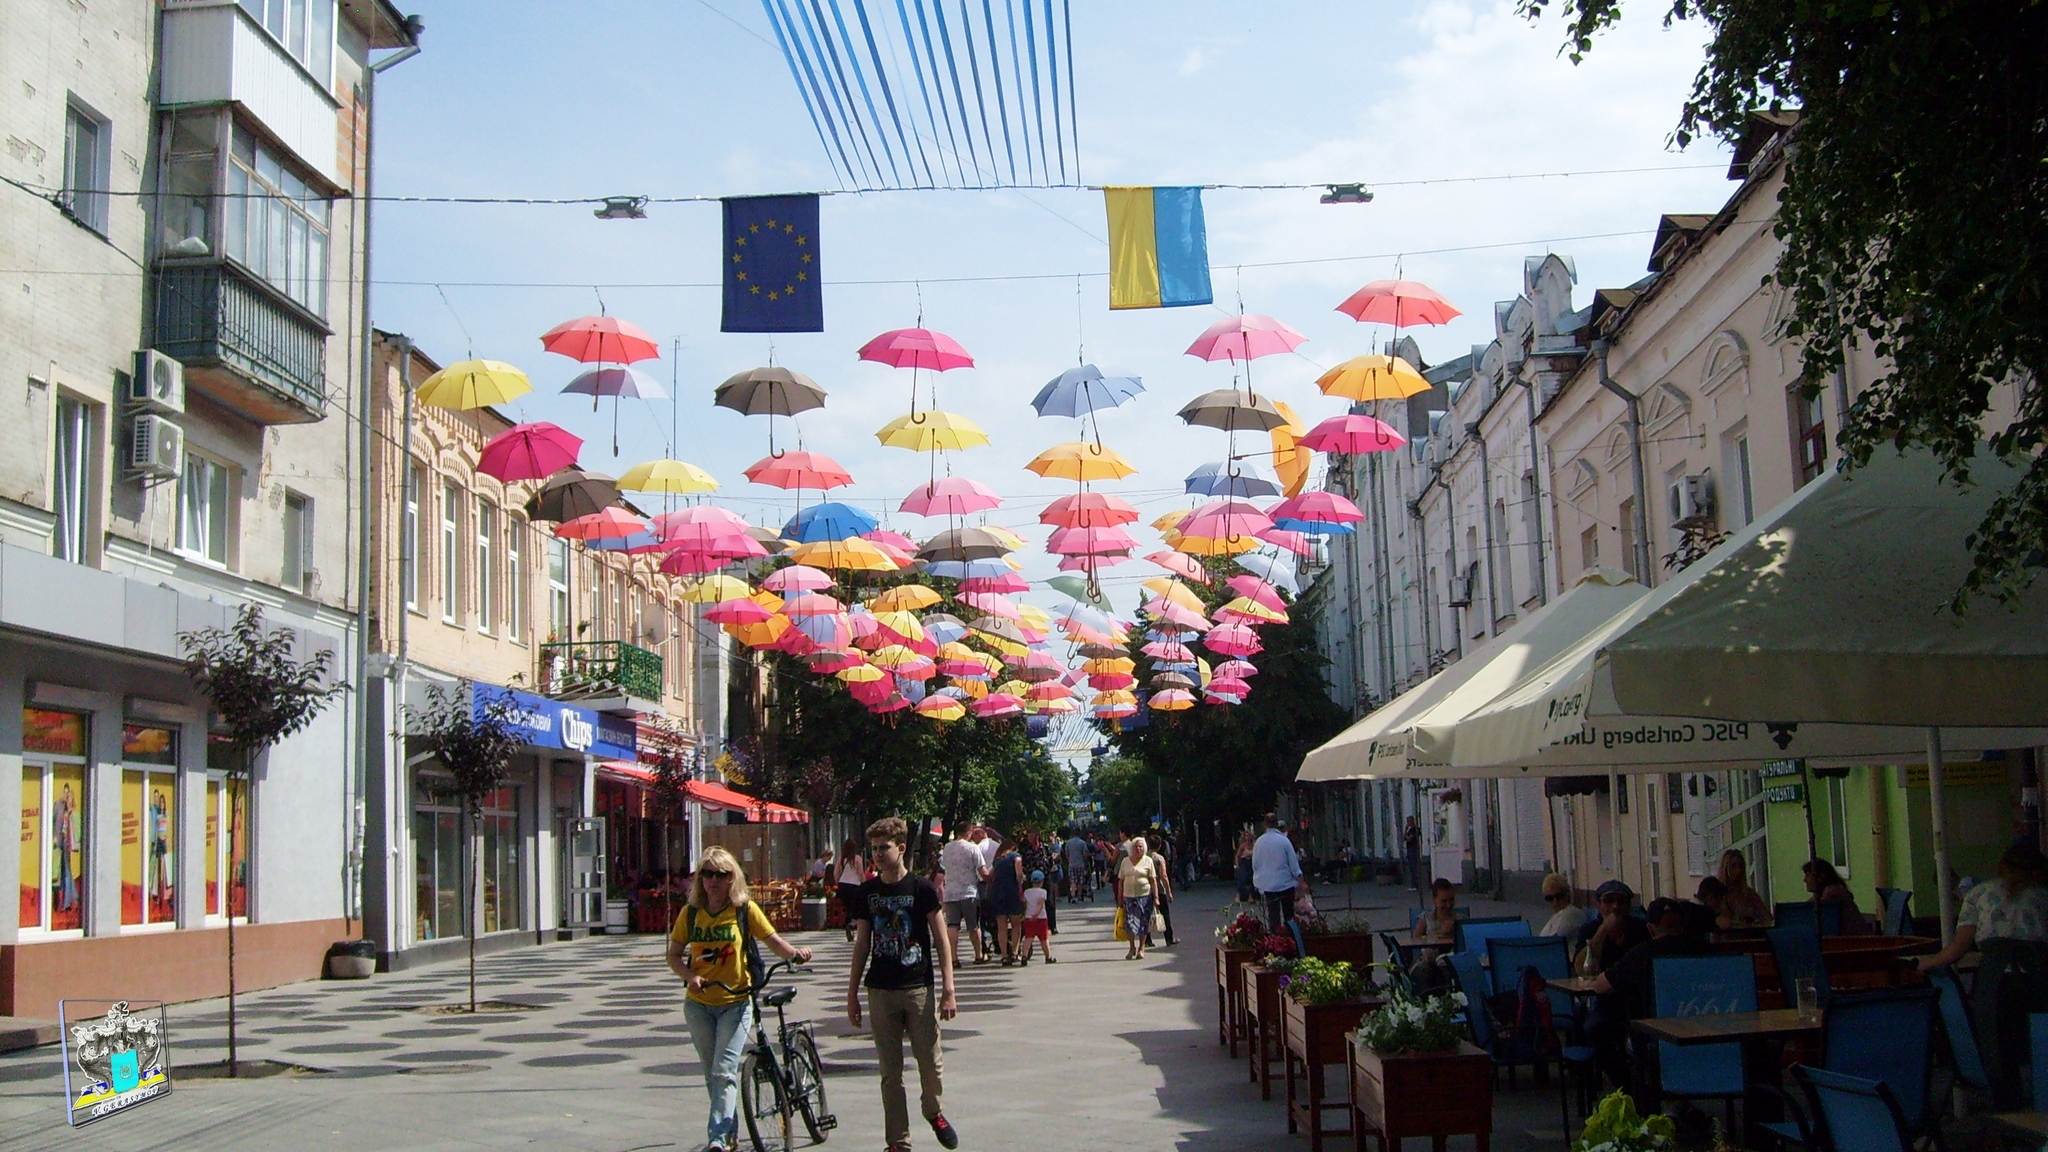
(240, 345)
(597, 669)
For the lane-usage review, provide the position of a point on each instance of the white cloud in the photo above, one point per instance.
(1193, 62)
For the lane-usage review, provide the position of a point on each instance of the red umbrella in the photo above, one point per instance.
(1245, 338)
(1353, 433)
(1397, 302)
(740, 611)
(529, 452)
(916, 348)
(1088, 510)
(600, 339)
(614, 523)
(952, 496)
(683, 562)
(798, 470)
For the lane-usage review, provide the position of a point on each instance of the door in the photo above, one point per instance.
(583, 865)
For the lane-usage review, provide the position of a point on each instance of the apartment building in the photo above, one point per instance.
(180, 334)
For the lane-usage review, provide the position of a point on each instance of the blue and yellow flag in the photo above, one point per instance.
(771, 265)
(1158, 248)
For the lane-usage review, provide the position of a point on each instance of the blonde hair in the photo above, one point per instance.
(720, 860)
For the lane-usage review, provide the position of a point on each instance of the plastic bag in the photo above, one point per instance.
(1304, 906)
(1158, 923)
(1116, 930)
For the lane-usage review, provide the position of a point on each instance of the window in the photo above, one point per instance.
(1506, 570)
(227, 837)
(1628, 538)
(73, 491)
(53, 821)
(185, 213)
(515, 578)
(276, 224)
(87, 137)
(451, 552)
(486, 589)
(203, 509)
(437, 865)
(1811, 445)
(1835, 787)
(558, 590)
(149, 824)
(1747, 493)
(1589, 548)
(296, 571)
(409, 538)
(303, 28)
(1532, 529)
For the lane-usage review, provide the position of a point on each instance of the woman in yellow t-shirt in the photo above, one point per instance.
(705, 949)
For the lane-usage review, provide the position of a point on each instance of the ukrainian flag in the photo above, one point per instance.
(1158, 248)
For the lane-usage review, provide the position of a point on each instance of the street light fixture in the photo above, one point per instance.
(1347, 194)
(623, 208)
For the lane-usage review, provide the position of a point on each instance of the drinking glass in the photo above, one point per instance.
(1807, 998)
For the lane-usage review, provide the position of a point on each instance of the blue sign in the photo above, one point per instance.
(546, 723)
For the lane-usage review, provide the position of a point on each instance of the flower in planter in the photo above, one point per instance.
(1313, 981)
(1410, 1023)
(1274, 947)
(1244, 932)
(1616, 1127)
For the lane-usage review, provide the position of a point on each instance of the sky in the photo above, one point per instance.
(1420, 101)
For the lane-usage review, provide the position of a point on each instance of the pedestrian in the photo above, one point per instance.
(1277, 874)
(1162, 896)
(988, 842)
(1138, 874)
(961, 862)
(1246, 891)
(822, 866)
(853, 872)
(1037, 928)
(1076, 852)
(1411, 851)
(900, 921)
(1006, 903)
(1043, 857)
(712, 944)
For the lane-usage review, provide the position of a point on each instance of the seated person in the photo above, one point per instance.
(1617, 931)
(1627, 987)
(1710, 905)
(1828, 887)
(1566, 917)
(1437, 926)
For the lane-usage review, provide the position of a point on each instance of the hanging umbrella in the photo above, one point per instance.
(616, 381)
(828, 521)
(1168, 651)
(798, 470)
(861, 674)
(797, 578)
(1008, 582)
(1229, 478)
(1080, 460)
(612, 523)
(1234, 669)
(1221, 519)
(528, 452)
(932, 431)
(1373, 378)
(768, 538)
(1354, 433)
(904, 598)
(952, 496)
(1294, 542)
(1172, 700)
(963, 569)
(1397, 302)
(1174, 592)
(906, 627)
(716, 590)
(963, 544)
(638, 542)
(1317, 507)
(1229, 410)
(916, 348)
(1246, 608)
(473, 384)
(681, 563)
(1112, 681)
(941, 708)
(1093, 561)
(1290, 461)
(812, 604)
(892, 704)
(672, 477)
(1089, 541)
(707, 515)
(600, 339)
(854, 554)
(1245, 337)
(1257, 589)
(990, 604)
(1088, 510)
(1216, 545)
(828, 631)
(829, 661)
(1276, 570)
(1077, 588)
(738, 611)
(1172, 680)
(1180, 565)
(1049, 690)
(1003, 629)
(1312, 527)
(997, 704)
(769, 391)
(1079, 391)
(1107, 664)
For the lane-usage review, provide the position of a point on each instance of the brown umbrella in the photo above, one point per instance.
(769, 392)
(963, 544)
(995, 626)
(1163, 680)
(570, 493)
(1101, 652)
(1231, 410)
(768, 538)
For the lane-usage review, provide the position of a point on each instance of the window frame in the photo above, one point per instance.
(269, 205)
(515, 577)
(451, 552)
(484, 586)
(311, 22)
(1809, 436)
(73, 489)
(297, 552)
(409, 534)
(226, 474)
(88, 204)
(45, 843)
(561, 593)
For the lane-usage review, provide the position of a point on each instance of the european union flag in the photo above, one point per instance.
(771, 265)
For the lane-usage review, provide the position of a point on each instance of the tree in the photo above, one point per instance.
(474, 742)
(262, 695)
(1914, 217)
(672, 756)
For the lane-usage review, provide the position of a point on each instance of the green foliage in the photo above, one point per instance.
(1615, 1127)
(262, 694)
(474, 744)
(1128, 789)
(1411, 1023)
(1914, 218)
(1316, 981)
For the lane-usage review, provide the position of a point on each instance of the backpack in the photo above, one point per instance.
(1532, 1012)
(757, 968)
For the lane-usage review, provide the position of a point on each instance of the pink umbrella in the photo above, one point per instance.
(1223, 519)
(952, 496)
(1093, 561)
(1223, 686)
(798, 470)
(1245, 338)
(797, 578)
(1213, 698)
(740, 611)
(1089, 541)
(996, 704)
(1181, 564)
(916, 670)
(1294, 542)
(796, 641)
(529, 452)
(1235, 670)
(600, 340)
(828, 662)
(1087, 510)
(966, 669)
(813, 604)
(916, 348)
(1353, 433)
(888, 539)
(614, 523)
(1160, 608)
(1242, 609)
(1317, 508)
(1397, 302)
(686, 563)
(1235, 638)
(1258, 591)
(892, 704)
(1111, 681)
(702, 514)
(1007, 582)
(990, 604)
(1170, 652)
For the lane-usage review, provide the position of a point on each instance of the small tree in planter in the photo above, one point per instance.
(669, 798)
(262, 695)
(474, 742)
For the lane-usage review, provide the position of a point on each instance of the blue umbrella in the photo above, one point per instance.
(1079, 391)
(616, 380)
(1313, 527)
(963, 569)
(1275, 570)
(1230, 478)
(828, 521)
(944, 628)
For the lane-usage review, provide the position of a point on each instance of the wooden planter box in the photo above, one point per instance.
(1230, 995)
(1262, 1023)
(1435, 1094)
(1314, 1036)
(1355, 947)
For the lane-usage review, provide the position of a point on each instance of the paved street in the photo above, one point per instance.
(1090, 1053)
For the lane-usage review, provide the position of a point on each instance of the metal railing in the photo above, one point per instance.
(210, 313)
(600, 668)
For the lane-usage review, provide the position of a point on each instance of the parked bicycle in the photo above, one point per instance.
(783, 1081)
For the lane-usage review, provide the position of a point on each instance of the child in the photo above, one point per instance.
(1036, 927)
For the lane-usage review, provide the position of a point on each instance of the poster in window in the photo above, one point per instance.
(161, 818)
(32, 846)
(213, 793)
(131, 847)
(52, 733)
(67, 847)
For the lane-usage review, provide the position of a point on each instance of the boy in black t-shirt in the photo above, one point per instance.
(899, 918)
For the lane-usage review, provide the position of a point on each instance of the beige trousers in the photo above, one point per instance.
(894, 1013)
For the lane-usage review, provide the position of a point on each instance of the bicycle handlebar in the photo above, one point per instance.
(766, 978)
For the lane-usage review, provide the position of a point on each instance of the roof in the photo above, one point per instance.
(1674, 232)
(711, 795)
(1763, 131)
(389, 28)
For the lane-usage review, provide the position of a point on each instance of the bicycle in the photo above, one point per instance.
(784, 1080)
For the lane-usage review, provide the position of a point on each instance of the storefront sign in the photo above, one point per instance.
(546, 723)
(1775, 769)
(114, 1061)
(1785, 793)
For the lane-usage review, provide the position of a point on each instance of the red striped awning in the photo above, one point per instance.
(711, 795)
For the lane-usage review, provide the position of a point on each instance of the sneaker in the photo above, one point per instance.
(903, 1147)
(944, 1131)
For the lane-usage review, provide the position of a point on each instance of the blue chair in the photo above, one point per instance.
(1796, 948)
(2037, 1043)
(1895, 910)
(1854, 1114)
(1300, 945)
(1702, 986)
(1823, 918)
(1965, 1057)
(1887, 1037)
(1472, 935)
(1508, 1048)
(1510, 956)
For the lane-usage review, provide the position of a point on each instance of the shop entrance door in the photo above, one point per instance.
(583, 882)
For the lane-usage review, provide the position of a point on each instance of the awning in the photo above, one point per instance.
(1574, 785)
(712, 795)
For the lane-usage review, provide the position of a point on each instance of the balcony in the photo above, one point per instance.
(608, 675)
(214, 52)
(241, 346)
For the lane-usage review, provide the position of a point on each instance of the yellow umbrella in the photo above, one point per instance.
(941, 708)
(1373, 378)
(955, 650)
(1203, 666)
(974, 688)
(1061, 705)
(674, 477)
(1172, 520)
(1007, 538)
(717, 590)
(860, 674)
(1017, 688)
(893, 656)
(474, 384)
(1210, 546)
(1246, 606)
(989, 662)
(1002, 644)
(902, 624)
(1031, 615)
(1109, 665)
(755, 635)
(853, 554)
(931, 431)
(904, 598)
(1290, 462)
(1172, 701)
(768, 600)
(1115, 696)
(1175, 592)
(1080, 460)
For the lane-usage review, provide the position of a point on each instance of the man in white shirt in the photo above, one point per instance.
(1566, 917)
(961, 861)
(1277, 874)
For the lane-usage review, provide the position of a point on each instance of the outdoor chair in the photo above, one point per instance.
(1887, 1037)
(1895, 910)
(1700, 986)
(1966, 1059)
(1796, 948)
(1825, 919)
(1471, 935)
(1853, 1114)
(1508, 1047)
(1400, 954)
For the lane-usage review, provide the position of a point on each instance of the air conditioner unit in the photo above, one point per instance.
(158, 383)
(156, 447)
(1693, 501)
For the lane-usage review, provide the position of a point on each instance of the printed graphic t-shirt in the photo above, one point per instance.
(714, 948)
(899, 930)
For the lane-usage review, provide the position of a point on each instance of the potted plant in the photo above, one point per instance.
(1413, 1073)
(1236, 942)
(1341, 935)
(1615, 1127)
(1321, 1001)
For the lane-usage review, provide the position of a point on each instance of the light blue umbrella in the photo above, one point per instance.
(1079, 391)
(1313, 527)
(1237, 478)
(963, 569)
(1275, 570)
(828, 521)
(616, 380)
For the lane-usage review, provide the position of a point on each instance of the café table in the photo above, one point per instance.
(1761, 1034)
(2029, 1127)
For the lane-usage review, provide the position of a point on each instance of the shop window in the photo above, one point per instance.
(149, 822)
(438, 904)
(53, 823)
(227, 837)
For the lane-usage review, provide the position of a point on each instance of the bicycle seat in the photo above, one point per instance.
(776, 998)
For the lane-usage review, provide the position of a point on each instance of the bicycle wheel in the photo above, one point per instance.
(770, 1123)
(807, 1085)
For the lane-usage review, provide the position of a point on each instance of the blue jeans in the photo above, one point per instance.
(720, 1034)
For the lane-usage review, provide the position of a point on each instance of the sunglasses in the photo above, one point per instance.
(708, 874)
